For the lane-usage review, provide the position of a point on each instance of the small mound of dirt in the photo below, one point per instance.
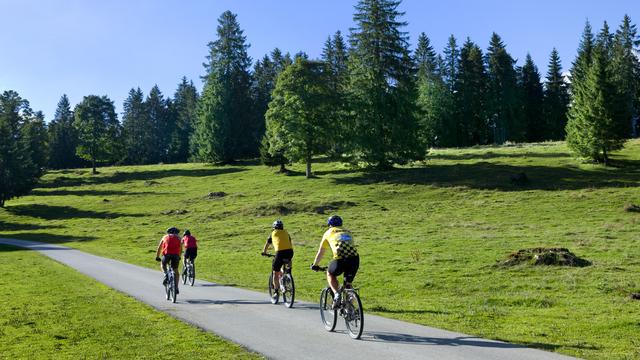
(519, 179)
(175, 212)
(545, 256)
(631, 208)
(216, 195)
(332, 206)
(635, 296)
(150, 183)
(105, 200)
(286, 208)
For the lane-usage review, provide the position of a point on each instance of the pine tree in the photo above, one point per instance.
(297, 119)
(504, 105)
(592, 127)
(431, 92)
(470, 97)
(160, 123)
(556, 100)
(227, 125)
(185, 114)
(532, 98)
(34, 136)
(99, 131)
(382, 90)
(335, 58)
(138, 132)
(625, 72)
(583, 59)
(62, 138)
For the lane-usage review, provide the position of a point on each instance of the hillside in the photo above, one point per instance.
(430, 235)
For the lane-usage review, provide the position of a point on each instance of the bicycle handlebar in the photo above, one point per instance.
(268, 255)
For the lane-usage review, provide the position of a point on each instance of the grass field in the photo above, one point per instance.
(430, 235)
(53, 312)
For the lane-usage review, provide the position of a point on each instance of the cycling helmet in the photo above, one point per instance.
(187, 232)
(278, 224)
(334, 220)
(173, 230)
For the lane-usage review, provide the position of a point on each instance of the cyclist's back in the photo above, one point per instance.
(190, 245)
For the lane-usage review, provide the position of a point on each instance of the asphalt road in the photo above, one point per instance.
(248, 318)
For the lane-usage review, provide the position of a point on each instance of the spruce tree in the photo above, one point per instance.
(226, 126)
(62, 138)
(470, 97)
(504, 105)
(431, 92)
(138, 132)
(185, 114)
(592, 131)
(556, 100)
(161, 124)
(99, 131)
(625, 72)
(532, 98)
(381, 88)
(448, 131)
(335, 58)
(582, 61)
(297, 119)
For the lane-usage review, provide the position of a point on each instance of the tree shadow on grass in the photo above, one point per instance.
(489, 176)
(50, 212)
(50, 238)
(384, 310)
(119, 177)
(25, 227)
(492, 155)
(86, 193)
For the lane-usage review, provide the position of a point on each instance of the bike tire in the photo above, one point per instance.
(274, 299)
(353, 314)
(174, 286)
(328, 316)
(289, 295)
(192, 274)
(184, 274)
(167, 289)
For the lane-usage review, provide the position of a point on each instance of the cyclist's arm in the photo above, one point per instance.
(159, 249)
(319, 255)
(266, 246)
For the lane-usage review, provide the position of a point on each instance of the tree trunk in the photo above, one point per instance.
(282, 169)
(93, 164)
(606, 158)
(308, 165)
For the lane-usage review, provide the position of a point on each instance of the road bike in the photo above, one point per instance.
(287, 287)
(349, 308)
(188, 272)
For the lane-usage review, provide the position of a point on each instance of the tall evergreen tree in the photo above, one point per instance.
(556, 100)
(382, 89)
(99, 131)
(161, 124)
(582, 61)
(63, 139)
(532, 98)
(185, 114)
(335, 58)
(34, 135)
(431, 92)
(138, 132)
(504, 105)
(471, 97)
(226, 128)
(625, 72)
(297, 119)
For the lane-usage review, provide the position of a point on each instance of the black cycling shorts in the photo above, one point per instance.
(282, 256)
(190, 253)
(174, 258)
(348, 266)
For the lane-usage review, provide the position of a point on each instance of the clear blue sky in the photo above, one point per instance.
(83, 47)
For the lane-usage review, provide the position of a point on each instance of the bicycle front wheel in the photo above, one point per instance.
(192, 274)
(327, 314)
(289, 293)
(353, 314)
(184, 274)
(273, 293)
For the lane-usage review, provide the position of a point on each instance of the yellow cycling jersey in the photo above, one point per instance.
(280, 240)
(341, 243)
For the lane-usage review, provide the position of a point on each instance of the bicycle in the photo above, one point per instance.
(349, 308)
(171, 285)
(188, 272)
(287, 286)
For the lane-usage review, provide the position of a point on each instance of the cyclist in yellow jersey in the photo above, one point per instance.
(283, 246)
(345, 255)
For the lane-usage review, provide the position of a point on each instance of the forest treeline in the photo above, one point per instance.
(368, 99)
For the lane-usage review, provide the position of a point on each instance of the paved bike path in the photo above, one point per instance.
(248, 318)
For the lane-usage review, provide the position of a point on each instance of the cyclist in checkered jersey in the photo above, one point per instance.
(345, 255)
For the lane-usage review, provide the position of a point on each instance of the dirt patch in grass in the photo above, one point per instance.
(286, 208)
(544, 256)
(216, 195)
(635, 296)
(175, 212)
(151, 183)
(631, 208)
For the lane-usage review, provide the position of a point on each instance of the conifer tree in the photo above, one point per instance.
(582, 62)
(185, 114)
(297, 119)
(62, 138)
(470, 97)
(226, 121)
(160, 123)
(138, 131)
(335, 58)
(448, 130)
(625, 72)
(504, 104)
(381, 88)
(34, 135)
(532, 98)
(99, 131)
(432, 92)
(556, 99)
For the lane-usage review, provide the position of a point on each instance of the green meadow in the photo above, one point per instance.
(431, 235)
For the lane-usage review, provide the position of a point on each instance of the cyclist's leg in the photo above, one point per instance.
(276, 267)
(175, 264)
(352, 265)
(333, 271)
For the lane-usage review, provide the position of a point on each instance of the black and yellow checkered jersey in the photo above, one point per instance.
(280, 240)
(341, 243)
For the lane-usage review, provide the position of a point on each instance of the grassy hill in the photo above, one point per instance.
(430, 235)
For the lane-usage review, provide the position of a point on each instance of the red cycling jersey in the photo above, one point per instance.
(170, 244)
(189, 242)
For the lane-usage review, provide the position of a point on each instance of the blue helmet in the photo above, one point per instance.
(278, 224)
(334, 220)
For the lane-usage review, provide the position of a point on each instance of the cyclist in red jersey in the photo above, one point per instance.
(170, 247)
(190, 245)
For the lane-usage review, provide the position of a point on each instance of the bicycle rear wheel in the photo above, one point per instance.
(184, 273)
(272, 290)
(192, 274)
(327, 314)
(353, 314)
(174, 285)
(289, 293)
